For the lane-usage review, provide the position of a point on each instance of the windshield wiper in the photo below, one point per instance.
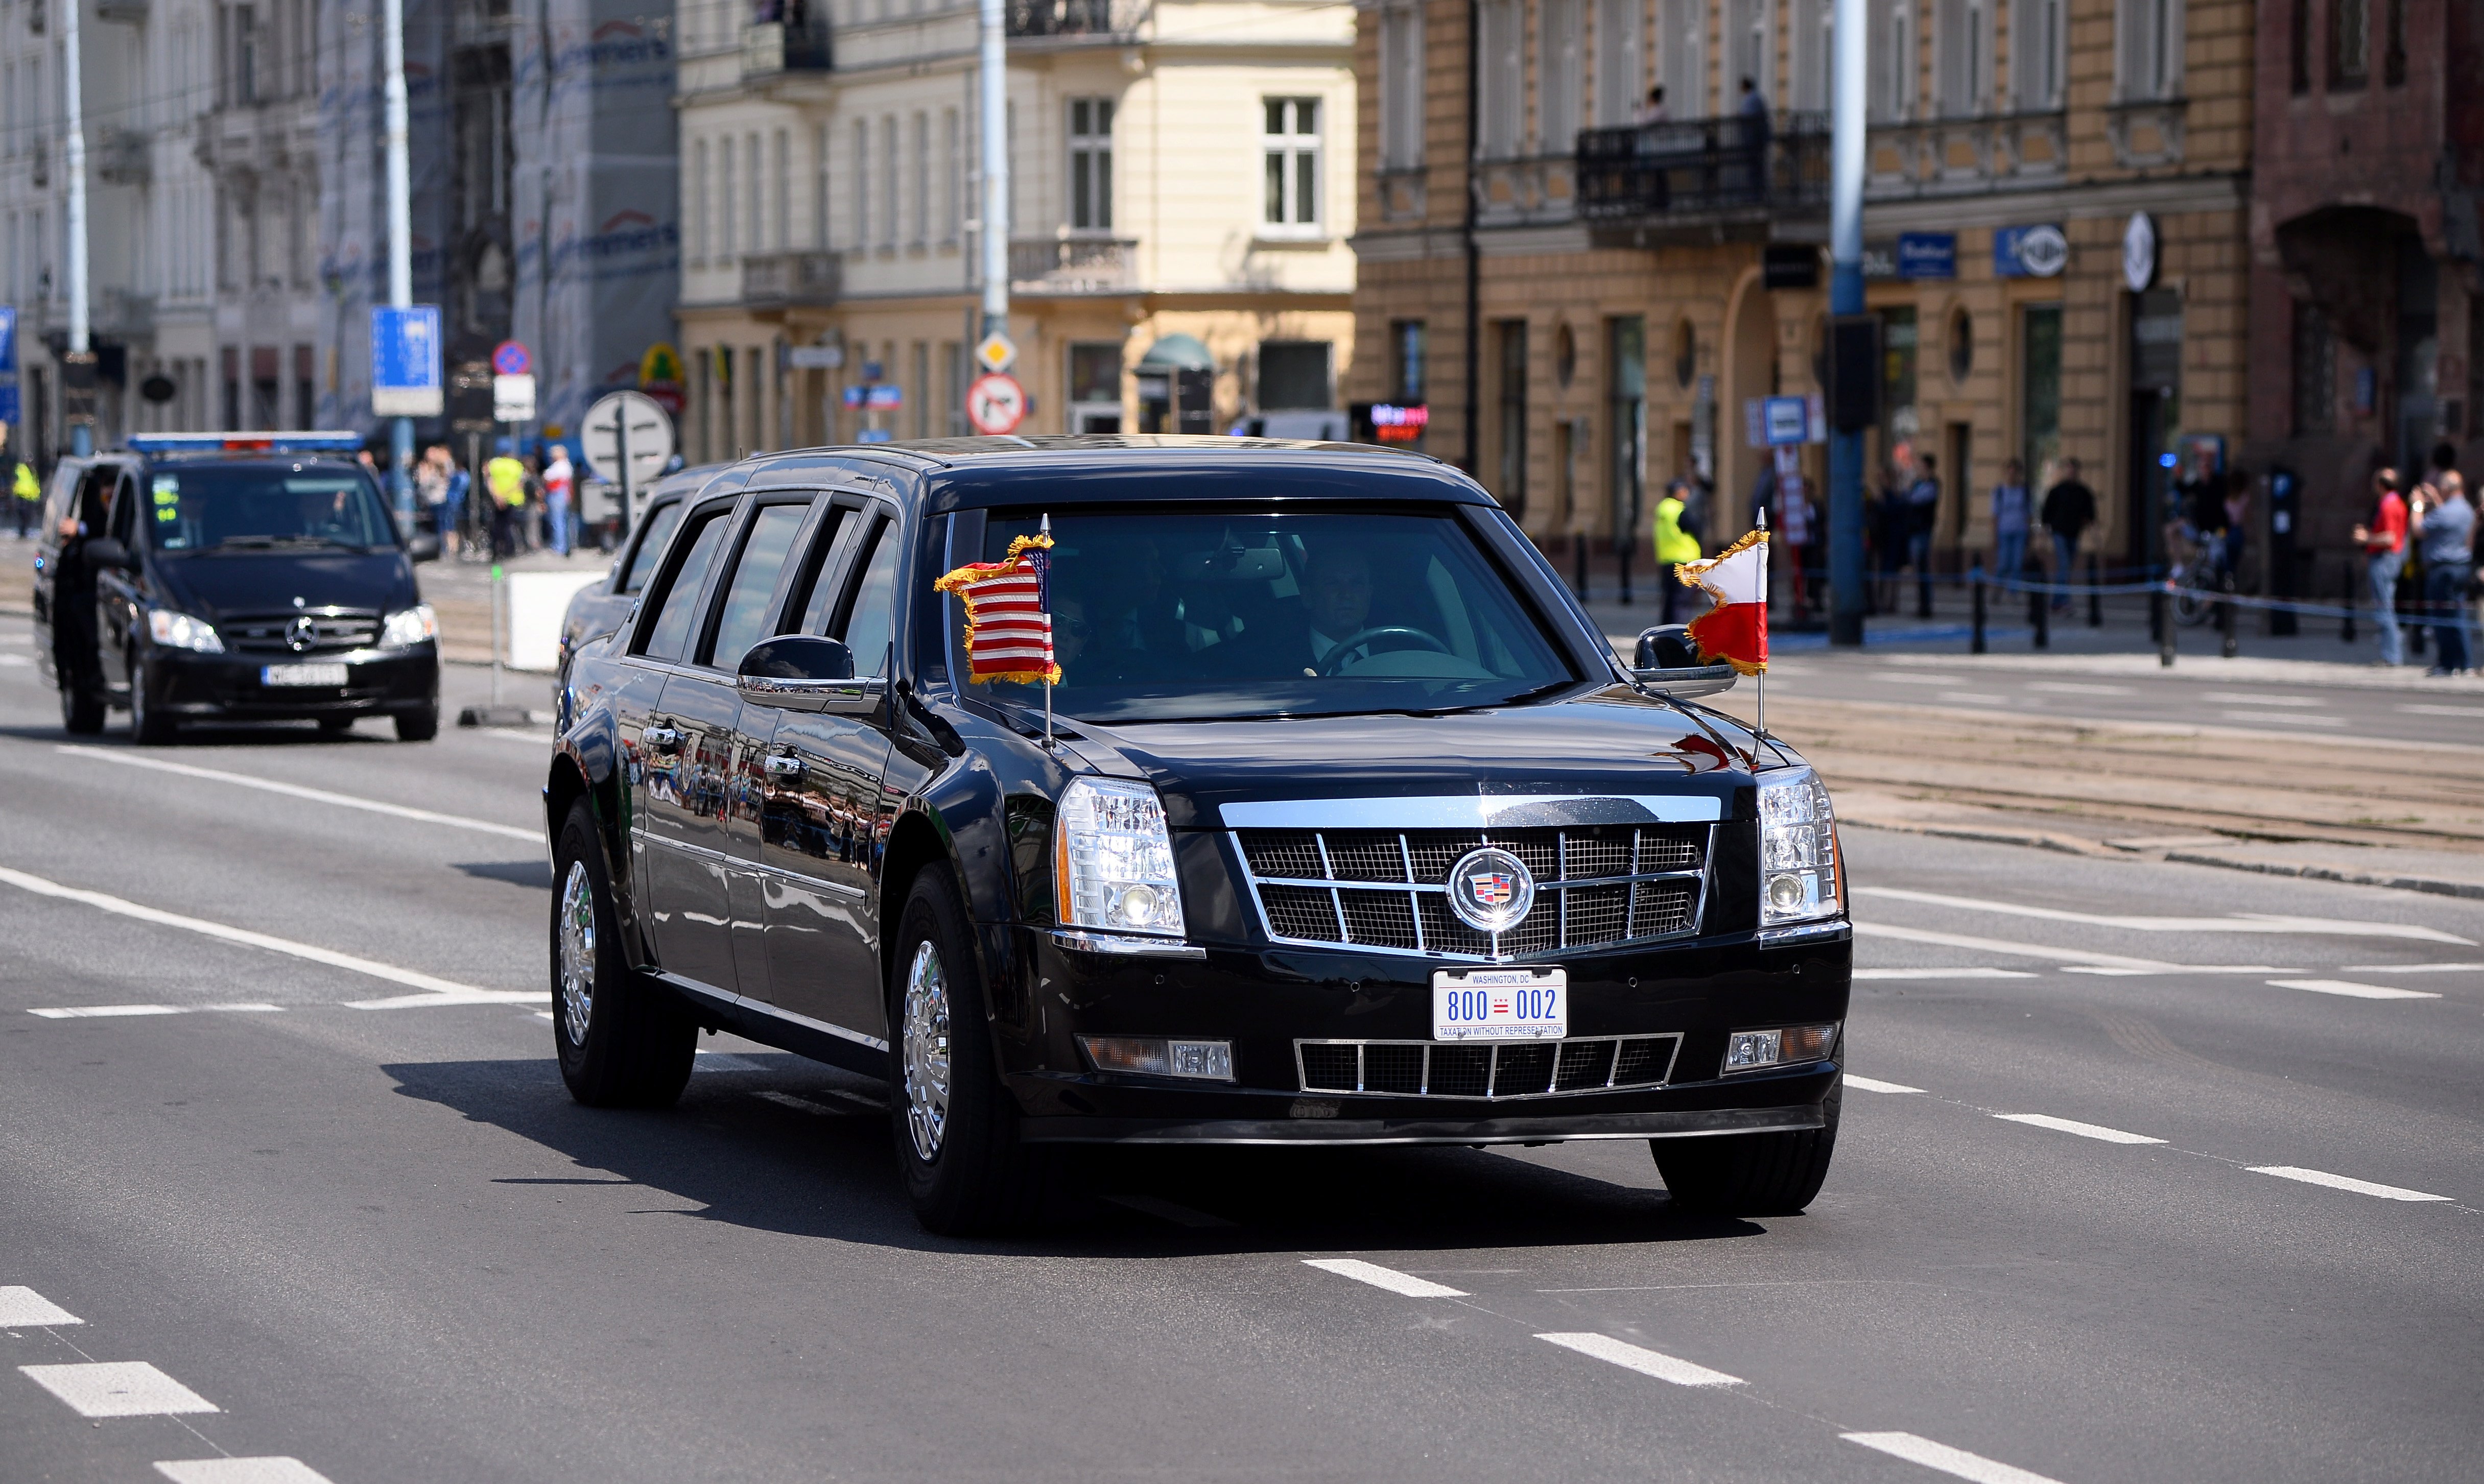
(280, 543)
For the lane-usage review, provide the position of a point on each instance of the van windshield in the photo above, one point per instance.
(1220, 611)
(212, 508)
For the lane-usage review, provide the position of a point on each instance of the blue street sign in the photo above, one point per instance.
(405, 362)
(8, 341)
(510, 359)
(882, 396)
(2029, 251)
(9, 402)
(1785, 420)
(1928, 254)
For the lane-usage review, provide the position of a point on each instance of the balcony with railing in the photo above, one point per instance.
(124, 157)
(783, 281)
(1735, 176)
(1074, 265)
(1091, 19)
(773, 48)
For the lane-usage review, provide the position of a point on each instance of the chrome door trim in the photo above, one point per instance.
(771, 1011)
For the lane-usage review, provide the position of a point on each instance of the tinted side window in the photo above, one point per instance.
(679, 604)
(815, 591)
(872, 617)
(643, 563)
(738, 625)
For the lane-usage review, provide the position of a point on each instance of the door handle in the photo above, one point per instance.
(661, 739)
(784, 768)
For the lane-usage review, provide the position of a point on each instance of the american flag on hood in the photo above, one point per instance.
(1008, 613)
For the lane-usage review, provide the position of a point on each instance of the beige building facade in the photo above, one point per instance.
(1182, 183)
(1636, 279)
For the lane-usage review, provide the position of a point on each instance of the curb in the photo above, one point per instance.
(2040, 840)
(2070, 845)
(2435, 885)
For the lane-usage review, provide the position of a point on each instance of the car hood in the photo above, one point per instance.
(1615, 742)
(215, 588)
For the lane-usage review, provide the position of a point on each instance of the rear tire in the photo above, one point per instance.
(1750, 1175)
(954, 1125)
(419, 726)
(625, 1042)
(148, 725)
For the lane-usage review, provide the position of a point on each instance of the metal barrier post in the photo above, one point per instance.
(2161, 610)
(2225, 619)
(1579, 548)
(2039, 613)
(1975, 646)
(2347, 626)
(2096, 590)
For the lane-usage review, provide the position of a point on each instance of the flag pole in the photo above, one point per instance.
(1051, 653)
(1761, 725)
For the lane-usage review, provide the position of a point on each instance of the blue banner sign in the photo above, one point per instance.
(1928, 254)
(8, 341)
(2039, 252)
(405, 362)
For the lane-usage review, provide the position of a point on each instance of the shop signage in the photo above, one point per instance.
(2139, 252)
(1928, 254)
(2039, 252)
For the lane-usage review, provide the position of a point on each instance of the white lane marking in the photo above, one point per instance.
(2175, 968)
(1958, 1463)
(1888, 678)
(297, 791)
(1378, 1276)
(1172, 1211)
(2442, 711)
(1871, 1085)
(1640, 1358)
(101, 1012)
(2255, 698)
(2283, 718)
(2354, 991)
(2072, 687)
(2073, 1126)
(240, 1470)
(2239, 922)
(117, 1389)
(23, 1308)
(1942, 974)
(2342, 1182)
(436, 991)
(13, 660)
(2411, 968)
(244, 1010)
(2013, 950)
(1973, 697)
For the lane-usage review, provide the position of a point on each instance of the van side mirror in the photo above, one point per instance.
(1668, 661)
(805, 672)
(106, 551)
(422, 545)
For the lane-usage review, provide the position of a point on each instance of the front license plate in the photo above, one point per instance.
(1500, 1004)
(301, 674)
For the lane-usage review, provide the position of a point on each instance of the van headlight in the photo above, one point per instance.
(408, 626)
(1801, 879)
(179, 630)
(1112, 860)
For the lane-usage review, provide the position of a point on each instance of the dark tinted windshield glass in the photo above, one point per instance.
(1214, 612)
(207, 507)
(650, 544)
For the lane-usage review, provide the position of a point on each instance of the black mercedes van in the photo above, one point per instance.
(232, 575)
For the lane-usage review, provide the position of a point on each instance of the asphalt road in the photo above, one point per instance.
(2160, 1173)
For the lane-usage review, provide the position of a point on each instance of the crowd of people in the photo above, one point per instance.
(2421, 541)
(524, 503)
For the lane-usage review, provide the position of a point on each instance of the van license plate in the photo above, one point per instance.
(302, 675)
(1500, 1004)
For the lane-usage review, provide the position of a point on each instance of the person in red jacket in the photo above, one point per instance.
(2384, 542)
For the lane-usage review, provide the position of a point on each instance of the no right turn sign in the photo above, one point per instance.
(995, 404)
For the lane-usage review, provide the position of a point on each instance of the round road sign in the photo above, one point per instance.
(510, 359)
(649, 433)
(995, 404)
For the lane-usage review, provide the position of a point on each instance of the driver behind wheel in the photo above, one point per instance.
(1336, 599)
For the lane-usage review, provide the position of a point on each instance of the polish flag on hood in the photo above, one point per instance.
(1736, 631)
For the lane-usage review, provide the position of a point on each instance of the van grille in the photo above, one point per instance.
(1386, 891)
(334, 631)
(1493, 1071)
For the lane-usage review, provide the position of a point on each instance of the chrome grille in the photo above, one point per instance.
(335, 630)
(1493, 1071)
(1386, 891)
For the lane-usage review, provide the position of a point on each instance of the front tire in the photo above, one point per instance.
(1750, 1175)
(419, 726)
(954, 1123)
(624, 1041)
(149, 724)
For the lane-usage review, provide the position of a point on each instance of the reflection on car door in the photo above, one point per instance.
(826, 825)
(677, 798)
(116, 590)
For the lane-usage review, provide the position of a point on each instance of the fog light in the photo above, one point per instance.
(1210, 1061)
(1791, 1046)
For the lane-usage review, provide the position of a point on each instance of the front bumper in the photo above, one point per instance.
(1266, 1001)
(393, 682)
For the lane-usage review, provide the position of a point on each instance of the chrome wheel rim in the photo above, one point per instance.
(925, 1029)
(577, 953)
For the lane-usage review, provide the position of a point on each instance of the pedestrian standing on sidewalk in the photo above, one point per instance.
(2070, 509)
(559, 482)
(2012, 515)
(506, 480)
(453, 501)
(25, 496)
(2444, 526)
(2383, 539)
(1674, 546)
(431, 489)
(1922, 512)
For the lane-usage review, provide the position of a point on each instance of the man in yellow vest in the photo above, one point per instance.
(506, 479)
(1674, 546)
(25, 496)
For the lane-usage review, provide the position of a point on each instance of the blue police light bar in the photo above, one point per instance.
(161, 444)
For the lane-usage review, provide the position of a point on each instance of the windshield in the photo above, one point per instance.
(1231, 612)
(210, 507)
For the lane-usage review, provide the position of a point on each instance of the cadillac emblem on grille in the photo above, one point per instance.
(1490, 890)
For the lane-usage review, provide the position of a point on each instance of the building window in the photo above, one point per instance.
(1557, 79)
(2350, 43)
(953, 176)
(1813, 59)
(1684, 60)
(1500, 76)
(922, 181)
(782, 169)
(1748, 44)
(1511, 338)
(2393, 54)
(889, 147)
(1290, 154)
(1095, 376)
(1401, 89)
(2150, 60)
(1406, 349)
(1961, 344)
(724, 190)
(2036, 54)
(1090, 164)
(1294, 374)
(752, 167)
(1617, 48)
(1893, 62)
(1626, 347)
(2315, 371)
(820, 192)
(861, 183)
(2298, 46)
(1962, 40)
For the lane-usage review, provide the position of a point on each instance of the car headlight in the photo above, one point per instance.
(179, 630)
(408, 626)
(1112, 860)
(1799, 874)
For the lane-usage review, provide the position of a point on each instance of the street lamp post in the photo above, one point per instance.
(996, 223)
(79, 373)
(400, 235)
(1846, 298)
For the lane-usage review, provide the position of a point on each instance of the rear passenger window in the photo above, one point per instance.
(872, 617)
(678, 605)
(642, 563)
(815, 588)
(753, 582)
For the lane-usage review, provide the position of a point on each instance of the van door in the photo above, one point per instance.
(119, 595)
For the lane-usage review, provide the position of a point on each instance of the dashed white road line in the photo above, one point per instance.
(117, 1389)
(2343, 1182)
(98, 1011)
(2254, 698)
(2354, 991)
(435, 990)
(2444, 710)
(2412, 969)
(2285, 718)
(240, 1470)
(2074, 1127)
(1873, 929)
(1378, 1276)
(297, 791)
(2109, 972)
(23, 1308)
(1640, 1358)
(1948, 973)
(1874, 1085)
(2073, 688)
(1958, 1463)
(2239, 922)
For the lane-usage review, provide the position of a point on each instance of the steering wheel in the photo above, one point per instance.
(1348, 647)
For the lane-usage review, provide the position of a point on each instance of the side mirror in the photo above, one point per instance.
(1667, 660)
(805, 672)
(105, 551)
(422, 545)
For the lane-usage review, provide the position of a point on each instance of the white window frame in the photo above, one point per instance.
(1501, 78)
(702, 227)
(921, 182)
(1559, 77)
(2147, 50)
(1288, 149)
(1683, 65)
(862, 185)
(1401, 88)
(2035, 52)
(1620, 87)
(890, 147)
(724, 170)
(1088, 158)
